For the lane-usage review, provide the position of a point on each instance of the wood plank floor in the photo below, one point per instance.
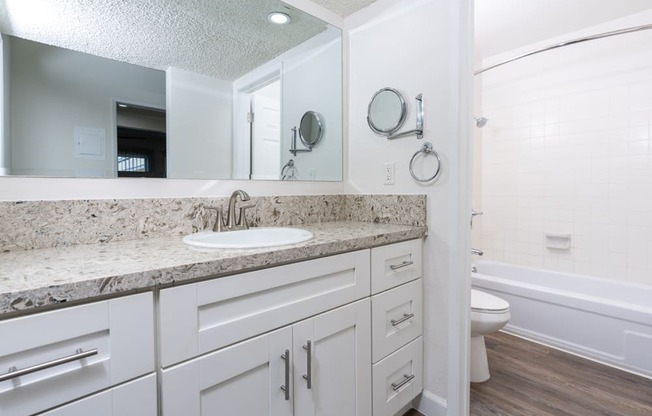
(531, 379)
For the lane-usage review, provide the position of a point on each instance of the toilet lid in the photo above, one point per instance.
(482, 301)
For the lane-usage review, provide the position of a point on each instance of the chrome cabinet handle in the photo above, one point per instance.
(400, 266)
(286, 387)
(308, 375)
(405, 317)
(13, 372)
(406, 379)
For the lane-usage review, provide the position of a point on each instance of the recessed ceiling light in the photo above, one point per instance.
(122, 105)
(278, 18)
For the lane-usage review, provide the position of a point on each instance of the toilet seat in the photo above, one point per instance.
(486, 303)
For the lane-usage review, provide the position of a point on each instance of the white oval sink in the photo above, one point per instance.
(251, 238)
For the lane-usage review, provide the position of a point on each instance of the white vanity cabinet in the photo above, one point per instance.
(338, 335)
(397, 325)
(214, 357)
(59, 356)
(318, 366)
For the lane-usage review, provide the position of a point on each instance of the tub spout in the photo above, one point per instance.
(476, 252)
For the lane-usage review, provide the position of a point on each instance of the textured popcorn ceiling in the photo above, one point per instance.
(344, 7)
(221, 38)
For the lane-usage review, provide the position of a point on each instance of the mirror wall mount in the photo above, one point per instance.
(419, 130)
(294, 149)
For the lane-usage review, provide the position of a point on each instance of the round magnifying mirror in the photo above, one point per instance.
(311, 129)
(387, 111)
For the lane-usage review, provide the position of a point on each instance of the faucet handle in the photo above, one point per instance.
(242, 218)
(219, 219)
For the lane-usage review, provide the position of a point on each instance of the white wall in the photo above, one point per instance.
(198, 125)
(311, 74)
(318, 72)
(63, 89)
(568, 150)
(415, 46)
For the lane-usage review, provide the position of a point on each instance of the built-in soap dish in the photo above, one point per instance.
(558, 241)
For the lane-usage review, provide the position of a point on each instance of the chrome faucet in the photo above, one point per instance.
(231, 223)
(476, 252)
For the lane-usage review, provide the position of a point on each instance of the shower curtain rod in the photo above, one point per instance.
(567, 43)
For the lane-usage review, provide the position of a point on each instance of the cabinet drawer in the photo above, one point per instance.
(397, 318)
(202, 317)
(136, 398)
(395, 264)
(398, 379)
(117, 334)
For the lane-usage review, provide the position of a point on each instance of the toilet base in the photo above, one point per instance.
(479, 363)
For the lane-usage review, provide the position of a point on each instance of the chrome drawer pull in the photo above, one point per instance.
(400, 266)
(308, 376)
(13, 372)
(407, 379)
(286, 387)
(405, 317)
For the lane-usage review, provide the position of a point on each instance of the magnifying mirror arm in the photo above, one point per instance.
(419, 130)
(294, 149)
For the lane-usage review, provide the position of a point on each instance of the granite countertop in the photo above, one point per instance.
(35, 278)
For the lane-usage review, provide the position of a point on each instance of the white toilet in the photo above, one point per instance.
(489, 313)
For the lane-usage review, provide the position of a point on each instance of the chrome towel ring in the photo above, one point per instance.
(426, 149)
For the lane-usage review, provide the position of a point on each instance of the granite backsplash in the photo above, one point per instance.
(28, 225)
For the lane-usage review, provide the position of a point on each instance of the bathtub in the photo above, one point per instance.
(603, 320)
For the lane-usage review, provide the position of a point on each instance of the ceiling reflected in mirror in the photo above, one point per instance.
(219, 38)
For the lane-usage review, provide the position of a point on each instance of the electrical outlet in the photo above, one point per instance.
(311, 174)
(389, 173)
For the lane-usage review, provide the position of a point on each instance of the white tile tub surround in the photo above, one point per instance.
(567, 151)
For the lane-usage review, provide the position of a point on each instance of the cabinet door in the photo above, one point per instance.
(135, 398)
(243, 379)
(332, 362)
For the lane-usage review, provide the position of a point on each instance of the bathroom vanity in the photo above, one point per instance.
(329, 326)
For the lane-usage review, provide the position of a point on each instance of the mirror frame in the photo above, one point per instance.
(399, 123)
(320, 124)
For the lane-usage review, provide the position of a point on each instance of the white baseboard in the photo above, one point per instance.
(430, 404)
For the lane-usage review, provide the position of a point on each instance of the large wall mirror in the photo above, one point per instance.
(185, 89)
